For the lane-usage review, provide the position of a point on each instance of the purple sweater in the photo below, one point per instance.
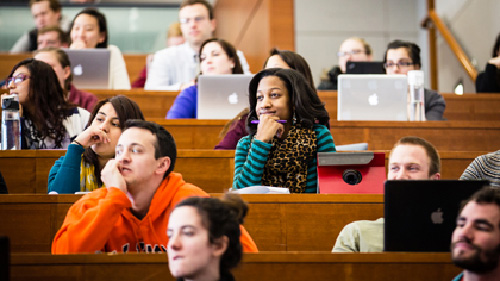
(235, 133)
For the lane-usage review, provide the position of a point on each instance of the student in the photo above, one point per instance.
(235, 129)
(80, 169)
(175, 67)
(88, 31)
(484, 167)
(217, 57)
(132, 212)
(412, 158)
(475, 243)
(205, 233)
(401, 57)
(489, 80)
(174, 38)
(49, 121)
(351, 49)
(59, 61)
(45, 13)
(276, 153)
(52, 37)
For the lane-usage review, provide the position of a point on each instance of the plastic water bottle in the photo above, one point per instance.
(417, 98)
(11, 123)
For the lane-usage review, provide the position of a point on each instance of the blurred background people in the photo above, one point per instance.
(217, 57)
(401, 57)
(351, 49)
(45, 13)
(489, 80)
(88, 31)
(59, 61)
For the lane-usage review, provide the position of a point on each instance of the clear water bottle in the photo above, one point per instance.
(11, 123)
(417, 97)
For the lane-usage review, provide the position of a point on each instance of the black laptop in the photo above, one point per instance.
(421, 215)
(364, 67)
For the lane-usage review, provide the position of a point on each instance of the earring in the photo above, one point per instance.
(293, 120)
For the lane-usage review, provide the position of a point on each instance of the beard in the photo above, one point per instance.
(475, 263)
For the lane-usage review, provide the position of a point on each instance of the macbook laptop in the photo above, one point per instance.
(90, 68)
(364, 67)
(372, 97)
(421, 215)
(222, 96)
(351, 172)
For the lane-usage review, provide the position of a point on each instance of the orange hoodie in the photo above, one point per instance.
(102, 221)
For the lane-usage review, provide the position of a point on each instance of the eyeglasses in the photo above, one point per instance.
(197, 19)
(401, 64)
(17, 79)
(351, 53)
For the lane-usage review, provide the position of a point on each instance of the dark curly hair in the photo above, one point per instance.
(222, 218)
(125, 109)
(305, 102)
(496, 47)
(45, 105)
(294, 61)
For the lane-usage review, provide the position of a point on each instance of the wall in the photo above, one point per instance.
(475, 24)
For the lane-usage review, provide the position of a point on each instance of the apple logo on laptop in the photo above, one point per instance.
(373, 99)
(233, 98)
(437, 216)
(78, 70)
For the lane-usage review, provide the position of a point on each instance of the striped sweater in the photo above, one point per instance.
(251, 159)
(484, 167)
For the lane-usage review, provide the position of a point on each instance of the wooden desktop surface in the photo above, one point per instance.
(262, 266)
(288, 222)
(380, 135)
(27, 171)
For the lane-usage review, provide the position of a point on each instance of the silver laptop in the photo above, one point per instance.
(372, 97)
(222, 96)
(90, 68)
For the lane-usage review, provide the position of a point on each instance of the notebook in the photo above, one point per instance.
(90, 68)
(351, 172)
(372, 97)
(364, 67)
(421, 215)
(222, 96)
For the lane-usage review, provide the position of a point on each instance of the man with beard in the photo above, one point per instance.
(475, 243)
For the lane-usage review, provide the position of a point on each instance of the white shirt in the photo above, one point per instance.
(118, 76)
(177, 65)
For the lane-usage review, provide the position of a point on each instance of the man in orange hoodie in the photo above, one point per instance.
(132, 212)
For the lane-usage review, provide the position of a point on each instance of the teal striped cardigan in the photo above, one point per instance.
(251, 159)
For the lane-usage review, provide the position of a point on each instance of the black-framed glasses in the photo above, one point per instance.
(401, 64)
(17, 79)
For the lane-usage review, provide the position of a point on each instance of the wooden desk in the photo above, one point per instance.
(154, 104)
(293, 222)
(263, 266)
(27, 171)
(466, 107)
(380, 135)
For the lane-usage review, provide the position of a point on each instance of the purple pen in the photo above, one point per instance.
(258, 121)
